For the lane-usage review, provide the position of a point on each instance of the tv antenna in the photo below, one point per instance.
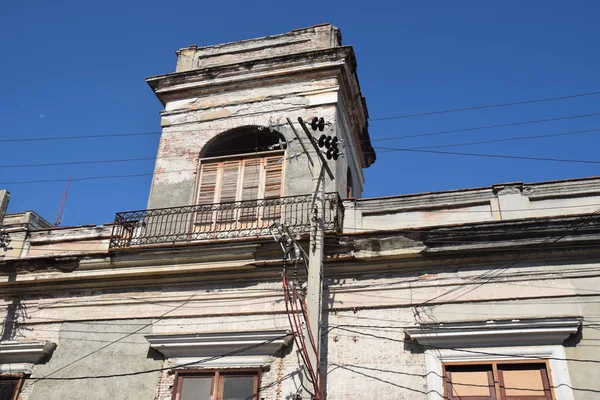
(63, 202)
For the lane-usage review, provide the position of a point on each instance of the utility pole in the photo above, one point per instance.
(308, 335)
(316, 257)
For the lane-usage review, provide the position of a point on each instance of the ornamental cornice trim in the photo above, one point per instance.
(252, 343)
(524, 332)
(25, 352)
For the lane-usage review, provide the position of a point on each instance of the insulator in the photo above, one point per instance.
(334, 141)
(321, 124)
(314, 124)
(328, 142)
(322, 140)
(329, 153)
(336, 153)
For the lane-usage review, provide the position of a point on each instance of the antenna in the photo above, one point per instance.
(63, 202)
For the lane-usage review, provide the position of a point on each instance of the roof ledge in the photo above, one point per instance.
(542, 331)
(261, 343)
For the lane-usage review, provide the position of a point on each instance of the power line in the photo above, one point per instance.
(456, 153)
(485, 106)
(389, 149)
(47, 376)
(508, 139)
(478, 128)
(147, 371)
(371, 119)
(117, 135)
(470, 351)
(255, 150)
(496, 272)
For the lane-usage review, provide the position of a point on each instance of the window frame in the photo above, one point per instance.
(499, 391)
(558, 370)
(20, 378)
(211, 220)
(216, 384)
(246, 156)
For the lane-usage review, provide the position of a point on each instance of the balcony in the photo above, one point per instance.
(239, 219)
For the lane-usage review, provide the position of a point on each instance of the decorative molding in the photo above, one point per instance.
(261, 343)
(25, 352)
(525, 332)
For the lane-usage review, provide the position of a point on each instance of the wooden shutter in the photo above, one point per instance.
(273, 175)
(208, 183)
(250, 187)
(229, 189)
(249, 180)
(272, 194)
(206, 193)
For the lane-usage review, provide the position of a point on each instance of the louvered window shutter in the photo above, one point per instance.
(247, 180)
(206, 193)
(272, 194)
(273, 175)
(250, 187)
(229, 189)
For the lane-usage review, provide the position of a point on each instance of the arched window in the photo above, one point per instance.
(241, 165)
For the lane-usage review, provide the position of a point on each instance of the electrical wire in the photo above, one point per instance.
(147, 371)
(478, 128)
(83, 162)
(563, 160)
(498, 271)
(465, 350)
(510, 139)
(515, 103)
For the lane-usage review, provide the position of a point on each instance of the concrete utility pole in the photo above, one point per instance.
(314, 288)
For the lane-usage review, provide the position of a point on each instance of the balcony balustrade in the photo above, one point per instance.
(239, 219)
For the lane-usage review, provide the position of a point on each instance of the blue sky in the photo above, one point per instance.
(78, 68)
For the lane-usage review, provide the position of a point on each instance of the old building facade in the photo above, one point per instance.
(486, 293)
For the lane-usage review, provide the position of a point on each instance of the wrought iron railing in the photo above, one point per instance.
(222, 220)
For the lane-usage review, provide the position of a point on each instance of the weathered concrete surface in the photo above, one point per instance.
(509, 201)
(102, 348)
(314, 38)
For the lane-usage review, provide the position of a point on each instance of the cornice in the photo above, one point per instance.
(248, 343)
(525, 332)
(32, 352)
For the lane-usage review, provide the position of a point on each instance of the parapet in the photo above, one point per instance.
(318, 37)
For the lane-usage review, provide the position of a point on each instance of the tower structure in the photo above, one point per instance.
(224, 130)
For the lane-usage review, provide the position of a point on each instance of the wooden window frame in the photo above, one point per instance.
(500, 391)
(217, 383)
(215, 218)
(20, 378)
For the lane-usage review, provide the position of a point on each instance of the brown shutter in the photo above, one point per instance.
(250, 188)
(208, 183)
(229, 189)
(273, 177)
(206, 194)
